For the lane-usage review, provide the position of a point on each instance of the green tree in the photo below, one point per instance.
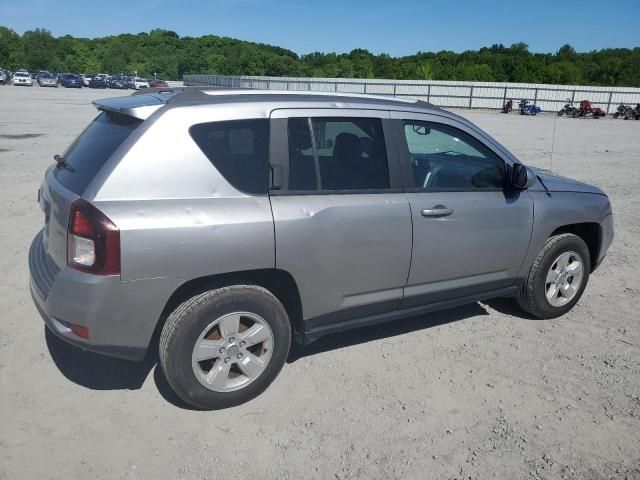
(425, 71)
(10, 44)
(165, 53)
(38, 46)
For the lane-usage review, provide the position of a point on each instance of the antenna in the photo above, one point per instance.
(553, 140)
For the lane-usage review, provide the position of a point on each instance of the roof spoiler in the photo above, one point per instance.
(141, 107)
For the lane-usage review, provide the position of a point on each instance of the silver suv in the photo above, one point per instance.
(230, 222)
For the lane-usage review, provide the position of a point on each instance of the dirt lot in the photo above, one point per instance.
(473, 392)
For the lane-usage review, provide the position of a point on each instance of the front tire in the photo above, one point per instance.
(557, 277)
(224, 347)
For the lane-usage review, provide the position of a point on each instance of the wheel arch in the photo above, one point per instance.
(279, 282)
(589, 232)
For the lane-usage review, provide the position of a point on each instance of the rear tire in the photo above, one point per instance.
(237, 369)
(537, 293)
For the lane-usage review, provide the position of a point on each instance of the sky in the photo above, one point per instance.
(397, 27)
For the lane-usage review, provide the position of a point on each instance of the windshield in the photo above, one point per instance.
(86, 156)
(21, 74)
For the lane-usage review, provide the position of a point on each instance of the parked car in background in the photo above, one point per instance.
(42, 72)
(5, 77)
(71, 80)
(22, 77)
(158, 84)
(98, 82)
(85, 79)
(47, 80)
(139, 83)
(118, 82)
(292, 216)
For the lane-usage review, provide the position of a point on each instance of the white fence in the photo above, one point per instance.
(450, 94)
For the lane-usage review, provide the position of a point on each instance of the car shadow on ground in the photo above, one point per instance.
(508, 306)
(380, 331)
(99, 372)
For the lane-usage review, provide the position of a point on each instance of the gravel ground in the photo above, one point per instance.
(473, 392)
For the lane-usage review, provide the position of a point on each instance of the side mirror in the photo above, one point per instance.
(522, 177)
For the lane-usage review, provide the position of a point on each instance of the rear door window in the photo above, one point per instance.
(337, 154)
(92, 149)
(239, 149)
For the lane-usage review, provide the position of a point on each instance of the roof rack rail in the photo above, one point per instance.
(176, 96)
(422, 103)
(174, 90)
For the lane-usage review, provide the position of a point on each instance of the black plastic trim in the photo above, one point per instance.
(313, 334)
(451, 294)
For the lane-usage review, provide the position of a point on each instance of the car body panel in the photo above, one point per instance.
(488, 232)
(344, 251)
(479, 247)
(55, 201)
(559, 209)
(120, 315)
(557, 183)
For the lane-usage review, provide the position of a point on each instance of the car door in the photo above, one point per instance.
(342, 221)
(470, 232)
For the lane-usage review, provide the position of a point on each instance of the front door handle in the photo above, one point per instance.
(437, 211)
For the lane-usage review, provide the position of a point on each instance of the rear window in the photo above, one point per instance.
(239, 149)
(92, 149)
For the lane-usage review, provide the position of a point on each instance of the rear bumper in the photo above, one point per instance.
(63, 332)
(121, 316)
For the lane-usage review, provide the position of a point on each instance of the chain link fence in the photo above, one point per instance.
(449, 94)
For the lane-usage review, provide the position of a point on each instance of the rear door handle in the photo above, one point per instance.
(437, 211)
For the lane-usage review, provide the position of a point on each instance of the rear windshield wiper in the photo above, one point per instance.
(62, 163)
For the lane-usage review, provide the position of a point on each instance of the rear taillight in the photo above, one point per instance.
(93, 241)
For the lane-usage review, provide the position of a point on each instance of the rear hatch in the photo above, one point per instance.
(66, 182)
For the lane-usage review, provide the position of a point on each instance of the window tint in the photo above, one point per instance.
(239, 150)
(92, 149)
(444, 158)
(342, 154)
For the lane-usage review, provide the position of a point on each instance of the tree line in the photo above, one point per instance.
(167, 55)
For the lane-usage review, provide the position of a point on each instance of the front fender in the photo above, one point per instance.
(563, 209)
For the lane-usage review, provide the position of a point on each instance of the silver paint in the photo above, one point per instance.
(180, 220)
